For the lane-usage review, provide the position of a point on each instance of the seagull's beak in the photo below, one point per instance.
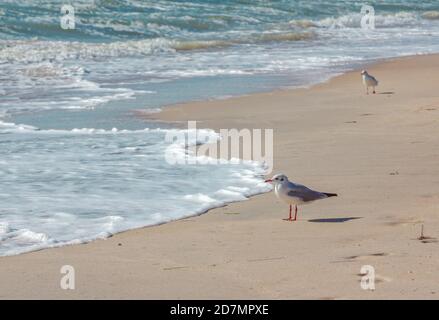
(269, 181)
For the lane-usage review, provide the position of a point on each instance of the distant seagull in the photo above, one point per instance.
(369, 81)
(295, 194)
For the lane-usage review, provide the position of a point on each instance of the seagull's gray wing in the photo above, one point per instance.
(374, 79)
(304, 193)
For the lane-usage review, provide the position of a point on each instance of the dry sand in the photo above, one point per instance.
(380, 153)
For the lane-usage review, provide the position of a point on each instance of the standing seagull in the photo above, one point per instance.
(369, 81)
(296, 194)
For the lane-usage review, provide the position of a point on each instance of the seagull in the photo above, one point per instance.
(369, 81)
(295, 194)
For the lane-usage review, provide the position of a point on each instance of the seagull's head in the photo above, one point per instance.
(278, 179)
(363, 72)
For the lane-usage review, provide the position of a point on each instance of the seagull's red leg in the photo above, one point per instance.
(374, 90)
(290, 218)
(295, 214)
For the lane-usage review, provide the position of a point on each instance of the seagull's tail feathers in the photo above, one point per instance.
(330, 194)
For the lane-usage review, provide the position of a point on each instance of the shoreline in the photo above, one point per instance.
(156, 116)
(316, 125)
(162, 114)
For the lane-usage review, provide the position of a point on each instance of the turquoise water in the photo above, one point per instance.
(78, 163)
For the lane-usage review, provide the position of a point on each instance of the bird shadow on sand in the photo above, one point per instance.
(387, 92)
(334, 220)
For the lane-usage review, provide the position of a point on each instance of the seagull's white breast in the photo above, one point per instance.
(282, 193)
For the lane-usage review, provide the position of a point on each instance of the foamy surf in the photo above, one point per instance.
(83, 187)
(431, 15)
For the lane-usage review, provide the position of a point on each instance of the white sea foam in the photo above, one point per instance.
(40, 51)
(68, 194)
(230, 195)
(201, 198)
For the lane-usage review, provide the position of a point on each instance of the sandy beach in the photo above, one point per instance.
(378, 152)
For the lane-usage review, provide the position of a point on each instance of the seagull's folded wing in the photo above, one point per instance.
(306, 194)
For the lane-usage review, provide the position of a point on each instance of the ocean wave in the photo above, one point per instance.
(33, 51)
(10, 127)
(69, 104)
(198, 45)
(16, 241)
(203, 134)
(431, 15)
(39, 50)
(303, 23)
(94, 170)
(287, 36)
